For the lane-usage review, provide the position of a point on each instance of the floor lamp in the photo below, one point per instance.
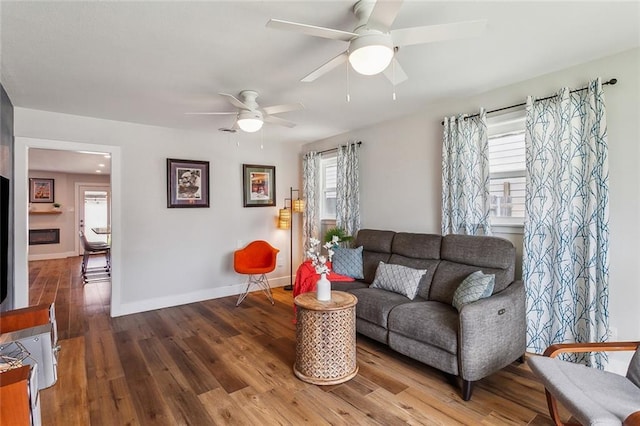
(285, 221)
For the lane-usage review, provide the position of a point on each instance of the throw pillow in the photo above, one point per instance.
(475, 287)
(398, 279)
(348, 262)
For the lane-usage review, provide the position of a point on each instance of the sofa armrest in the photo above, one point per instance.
(492, 332)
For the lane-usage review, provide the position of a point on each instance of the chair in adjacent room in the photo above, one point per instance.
(592, 396)
(99, 272)
(256, 260)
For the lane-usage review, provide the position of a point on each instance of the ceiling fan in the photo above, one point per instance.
(250, 116)
(372, 45)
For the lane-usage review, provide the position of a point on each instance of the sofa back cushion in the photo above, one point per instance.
(418, 251)
(376, 248)
(418, 246)
(462, 255)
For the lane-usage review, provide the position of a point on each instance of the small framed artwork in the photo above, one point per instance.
(187, 183)
(259, 185)
(41, 190)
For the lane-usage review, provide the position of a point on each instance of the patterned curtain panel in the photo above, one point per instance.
(566, 234)
(465, 176)
(310, 187)
(348, 189)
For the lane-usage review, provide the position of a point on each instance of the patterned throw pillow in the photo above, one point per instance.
(398, 279)
(348, 262)
(475, 287)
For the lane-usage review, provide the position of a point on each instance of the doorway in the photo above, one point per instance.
(21, 190)
(93, 204)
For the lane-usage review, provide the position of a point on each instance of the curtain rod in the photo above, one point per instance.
(336, 148)
(611, 82)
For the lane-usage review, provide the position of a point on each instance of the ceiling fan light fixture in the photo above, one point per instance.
(371, 54)
(250, 121)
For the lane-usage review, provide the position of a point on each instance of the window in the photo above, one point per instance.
(507, 169)
(328, 181)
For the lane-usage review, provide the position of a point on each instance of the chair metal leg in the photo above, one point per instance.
(85, 261)
(262, 282)
(95, 273)
(244, 294)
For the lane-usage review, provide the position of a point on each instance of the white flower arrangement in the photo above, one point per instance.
(318, 260)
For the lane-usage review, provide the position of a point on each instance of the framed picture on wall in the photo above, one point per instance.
(259, 185)
(187, 183)
(41, 190)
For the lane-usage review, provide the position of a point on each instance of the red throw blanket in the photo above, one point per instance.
(306, 278)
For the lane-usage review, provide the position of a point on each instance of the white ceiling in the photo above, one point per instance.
(51, 160)
(149, 62)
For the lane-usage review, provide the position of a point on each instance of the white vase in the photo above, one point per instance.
(323, 289)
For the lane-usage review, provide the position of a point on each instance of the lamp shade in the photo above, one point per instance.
(298, 205)
(371, 53)
(250, 121)
(284, 218)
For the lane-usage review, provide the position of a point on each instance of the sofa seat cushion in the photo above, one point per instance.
(375, 304)
(434, 323)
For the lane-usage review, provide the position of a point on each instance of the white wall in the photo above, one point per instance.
(401, 166)
(399, 169)
(173, 256)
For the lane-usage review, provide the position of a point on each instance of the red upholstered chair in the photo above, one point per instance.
(256, 260)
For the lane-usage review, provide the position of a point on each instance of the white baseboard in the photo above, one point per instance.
(183, 299)
(49, 256)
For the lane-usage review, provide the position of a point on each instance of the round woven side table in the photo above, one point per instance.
(326, 338)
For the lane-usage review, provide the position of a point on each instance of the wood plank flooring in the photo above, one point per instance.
(211, 363)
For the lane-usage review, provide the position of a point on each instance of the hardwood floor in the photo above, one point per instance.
(213, 363)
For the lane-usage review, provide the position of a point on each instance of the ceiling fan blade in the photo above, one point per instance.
(311, 30)
(325, 68)
(211, 113)
(277, 109)
(279, 121)
(235, 101)
(395, 73)
(432, 33)
(384, 13)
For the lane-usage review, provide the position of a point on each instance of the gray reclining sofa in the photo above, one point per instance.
(481, 338)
